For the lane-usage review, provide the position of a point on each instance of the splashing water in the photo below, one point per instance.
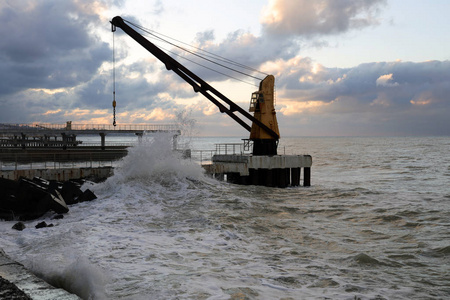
(374, 225)
(154, 160)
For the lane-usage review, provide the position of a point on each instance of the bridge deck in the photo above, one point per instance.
(51, 129)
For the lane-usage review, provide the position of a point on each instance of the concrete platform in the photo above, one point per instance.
(27, 282)
(275, 170)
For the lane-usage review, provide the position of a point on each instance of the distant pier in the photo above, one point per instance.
(41, 135)
(52, 151)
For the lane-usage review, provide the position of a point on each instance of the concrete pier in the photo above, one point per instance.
(274, 171)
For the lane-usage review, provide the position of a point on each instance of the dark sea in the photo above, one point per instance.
(375, 224)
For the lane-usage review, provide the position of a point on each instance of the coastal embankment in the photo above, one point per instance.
(17, 282)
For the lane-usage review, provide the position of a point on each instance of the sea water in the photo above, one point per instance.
(375, 224)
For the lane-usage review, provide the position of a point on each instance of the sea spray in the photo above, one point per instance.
(187, 126)
(80, 277)
(154, 160)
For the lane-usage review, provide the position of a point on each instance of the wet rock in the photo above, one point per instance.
(57, 203)
(43, 224)
(58, 217)
(87, 195)
(70, 192)
(8, 190)
(19, 226)
(30, 199)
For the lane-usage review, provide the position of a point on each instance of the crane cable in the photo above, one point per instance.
(114, 81)
(209, 54)
(150, 32)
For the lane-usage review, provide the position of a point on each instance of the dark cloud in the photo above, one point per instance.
(48, 44)
(51, 45)
(387, 98)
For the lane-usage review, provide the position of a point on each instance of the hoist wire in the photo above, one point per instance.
(212, 55)
(211, 69)
(202, 57)
(218, 57)
(114, 82)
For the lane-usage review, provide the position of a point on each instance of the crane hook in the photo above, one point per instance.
(114, 112)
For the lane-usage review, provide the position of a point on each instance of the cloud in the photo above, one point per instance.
(386, 80)
(321, 17)
(48, 44)
(286, 24)
(56, 67)
(367, 97)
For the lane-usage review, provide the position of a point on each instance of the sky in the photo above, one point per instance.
(341, 67)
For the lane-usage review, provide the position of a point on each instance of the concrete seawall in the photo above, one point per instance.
(34, 287)
(58, 174)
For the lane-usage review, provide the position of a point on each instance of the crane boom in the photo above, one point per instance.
(199, 85)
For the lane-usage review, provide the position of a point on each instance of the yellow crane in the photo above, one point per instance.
(264, 129)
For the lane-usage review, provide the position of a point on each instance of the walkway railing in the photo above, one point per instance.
(47, 126)
(205, 156)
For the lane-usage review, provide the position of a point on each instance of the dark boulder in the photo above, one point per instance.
(70, 191)
(58, 217)
(19, 226)
(30, 199)
(43, 224)
(57, 203)
(87, 195)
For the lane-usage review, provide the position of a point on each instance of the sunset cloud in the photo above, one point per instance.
(56, 65)
(321, 17)
(386, 80)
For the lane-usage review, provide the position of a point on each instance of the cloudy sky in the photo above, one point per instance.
(342, 67)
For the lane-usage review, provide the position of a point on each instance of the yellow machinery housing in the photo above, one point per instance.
(262, 104)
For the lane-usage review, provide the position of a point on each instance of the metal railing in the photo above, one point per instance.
(107, 144)
(233, 148)
(48, 126)
(205, 156)
(202, 156)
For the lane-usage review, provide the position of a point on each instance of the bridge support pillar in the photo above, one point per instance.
(102, 136)
(24, 140)
(139, 135)
(64, 140)
(175, 142)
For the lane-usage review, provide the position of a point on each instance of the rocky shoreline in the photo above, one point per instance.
(28, 199)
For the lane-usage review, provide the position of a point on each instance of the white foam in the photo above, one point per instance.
(80, 277)
(153, 161)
